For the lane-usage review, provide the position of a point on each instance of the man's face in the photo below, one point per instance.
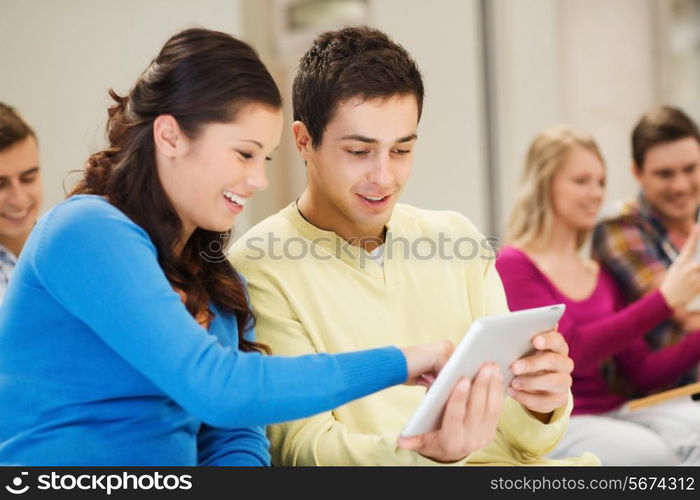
(362, 164)
(670, 178)
(20, 189)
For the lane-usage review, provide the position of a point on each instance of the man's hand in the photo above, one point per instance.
(470, 419)
(543, 380)
(689, 321)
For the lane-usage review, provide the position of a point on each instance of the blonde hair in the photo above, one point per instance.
(531, 217)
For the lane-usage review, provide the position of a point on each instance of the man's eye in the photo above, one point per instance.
(29, 179)
(358, 152)
(402, 151)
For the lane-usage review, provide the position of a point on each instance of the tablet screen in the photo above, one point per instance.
(501, 339)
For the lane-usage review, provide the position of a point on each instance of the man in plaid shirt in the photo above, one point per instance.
(639, 243)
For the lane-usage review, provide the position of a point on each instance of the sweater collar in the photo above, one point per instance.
(334, 243)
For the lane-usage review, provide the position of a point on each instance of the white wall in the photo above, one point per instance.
(58, 59)
(586, 63)
(445, 40)
(609, 80)
(525, 84)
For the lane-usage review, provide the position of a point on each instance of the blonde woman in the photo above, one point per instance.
(561, 192)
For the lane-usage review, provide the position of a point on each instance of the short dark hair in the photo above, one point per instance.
(658, 125)
(13, 128)
(357, 61)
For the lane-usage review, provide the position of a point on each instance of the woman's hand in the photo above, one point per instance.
(425, 361)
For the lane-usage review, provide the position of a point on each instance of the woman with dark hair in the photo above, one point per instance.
(126, 337)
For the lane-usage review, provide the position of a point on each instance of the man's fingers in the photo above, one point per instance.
(494, 400)
(547, 382)
(542, 403)
(691, 244)
(410, 442)
(543, 362)
(476, 406)
(551, 341)
(456, 406)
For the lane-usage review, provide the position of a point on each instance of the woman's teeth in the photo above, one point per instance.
(373, 198)
(239, 200)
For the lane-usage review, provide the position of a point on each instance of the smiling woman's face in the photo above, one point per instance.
(209, 179)
(578, 189)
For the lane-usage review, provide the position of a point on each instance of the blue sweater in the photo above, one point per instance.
(101, 364)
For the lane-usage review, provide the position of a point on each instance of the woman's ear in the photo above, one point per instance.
(168, 137)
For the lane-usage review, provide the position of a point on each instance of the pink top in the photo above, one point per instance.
(601, 327)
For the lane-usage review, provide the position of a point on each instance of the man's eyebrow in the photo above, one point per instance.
(369, 140)
(360, 138)
(408, 138)
(29, 171)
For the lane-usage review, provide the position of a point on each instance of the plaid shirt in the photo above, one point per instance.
(634, 247)
(8, 261)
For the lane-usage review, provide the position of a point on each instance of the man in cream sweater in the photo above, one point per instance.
(347, 268)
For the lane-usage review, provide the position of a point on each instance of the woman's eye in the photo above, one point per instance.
(402, 151)
(246, 156)
(355, 152)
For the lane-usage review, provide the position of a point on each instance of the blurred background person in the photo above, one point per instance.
(642, 239)
(20, 189)
(562, 189)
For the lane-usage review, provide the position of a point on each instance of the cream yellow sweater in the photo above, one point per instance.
(313, 292)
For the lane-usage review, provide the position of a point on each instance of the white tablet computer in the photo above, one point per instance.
(500, 339)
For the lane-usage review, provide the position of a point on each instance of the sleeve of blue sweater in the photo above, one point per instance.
(104, 270)
(232, 447)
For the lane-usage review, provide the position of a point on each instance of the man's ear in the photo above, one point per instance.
(168, 137)
(636, 171)
(302, 139)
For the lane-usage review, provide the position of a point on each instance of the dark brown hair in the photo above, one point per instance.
(199, 77)
(659, 125)
(352, 62)
(13, 128)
